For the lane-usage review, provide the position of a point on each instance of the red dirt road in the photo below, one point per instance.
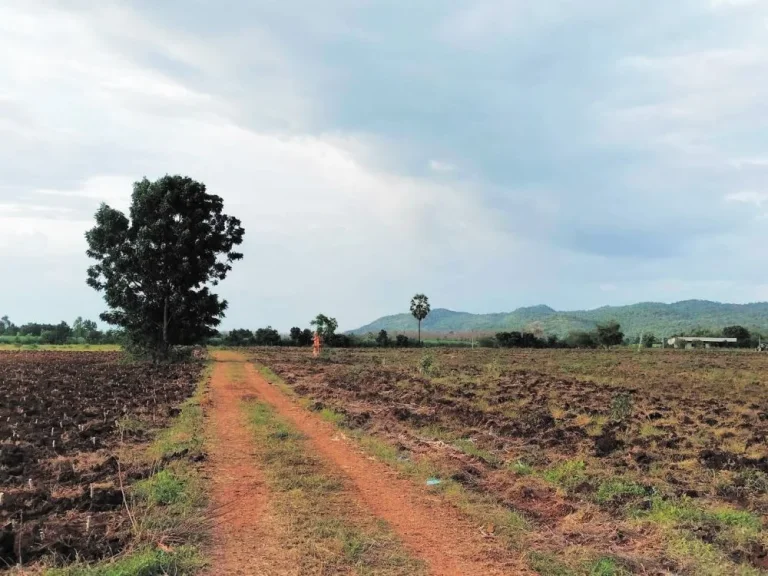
(430, 528)
(246, 539)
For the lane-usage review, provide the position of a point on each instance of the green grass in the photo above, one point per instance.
(187, 432)
(548, 565)
(469, 447)
(669, 511)
(521, 468)
(567, 474)
(331, 416)
(164, 488)
(615, 489)
(146, 562)
(681, 520)
(607, 567)
(329, 532)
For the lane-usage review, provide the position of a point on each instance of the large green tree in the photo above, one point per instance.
(420, 309)
(740, 333)
(609, 334)
(325, 326)
(156, 266)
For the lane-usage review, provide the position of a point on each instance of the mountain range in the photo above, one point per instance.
(648, 317)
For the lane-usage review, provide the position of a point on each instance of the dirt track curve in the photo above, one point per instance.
(431, 529)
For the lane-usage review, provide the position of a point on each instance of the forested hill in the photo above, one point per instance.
(659, 319)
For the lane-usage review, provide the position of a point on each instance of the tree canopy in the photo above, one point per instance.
(420, 309)
(609, 334)
(325, 326)
(155, 267)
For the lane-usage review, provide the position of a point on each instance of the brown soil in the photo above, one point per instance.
(246, 537)
(62, 422)
(431, 529)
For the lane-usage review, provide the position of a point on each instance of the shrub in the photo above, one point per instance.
(239, 337)
(267, 337)
(382, 339)
(402, 341)
(581, 339)
(427, 364)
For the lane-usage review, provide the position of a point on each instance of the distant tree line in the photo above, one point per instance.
(80, 332)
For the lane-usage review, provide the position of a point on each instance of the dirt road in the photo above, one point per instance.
(430, 528)
(246, 539)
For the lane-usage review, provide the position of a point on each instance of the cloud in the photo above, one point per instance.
(748, 197)
(484, 153)
(440, 166)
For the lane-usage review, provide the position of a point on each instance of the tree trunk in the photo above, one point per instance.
(419, 331)
(165, 328)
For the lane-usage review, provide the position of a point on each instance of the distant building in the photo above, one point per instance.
(689, 341)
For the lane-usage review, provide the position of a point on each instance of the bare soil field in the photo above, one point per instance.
(607, 462)
(63, 418)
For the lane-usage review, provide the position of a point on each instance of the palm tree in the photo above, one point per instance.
(420, 309)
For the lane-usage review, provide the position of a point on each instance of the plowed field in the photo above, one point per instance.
(650, 463)
(63, 415)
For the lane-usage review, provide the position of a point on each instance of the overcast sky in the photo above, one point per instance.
(490, 154)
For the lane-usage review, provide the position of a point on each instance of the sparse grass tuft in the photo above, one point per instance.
(567, 474)
(615, 490)
(607, 567)
(521, 468)
(547, 564)
(163, 488)
(468, 446)
(331, 416)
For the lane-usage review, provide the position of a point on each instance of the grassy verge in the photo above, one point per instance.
(331, 534)
(168, 508)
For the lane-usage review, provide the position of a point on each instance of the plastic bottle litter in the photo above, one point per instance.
(433, 481)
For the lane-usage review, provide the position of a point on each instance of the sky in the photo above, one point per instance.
(490, 154)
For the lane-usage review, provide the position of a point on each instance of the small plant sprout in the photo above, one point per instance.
(29, 483)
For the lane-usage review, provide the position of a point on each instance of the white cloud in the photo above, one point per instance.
(754, 162)
(440, 166)
(748, 197)
(480, 23)
(313, 213)
(715, 4)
